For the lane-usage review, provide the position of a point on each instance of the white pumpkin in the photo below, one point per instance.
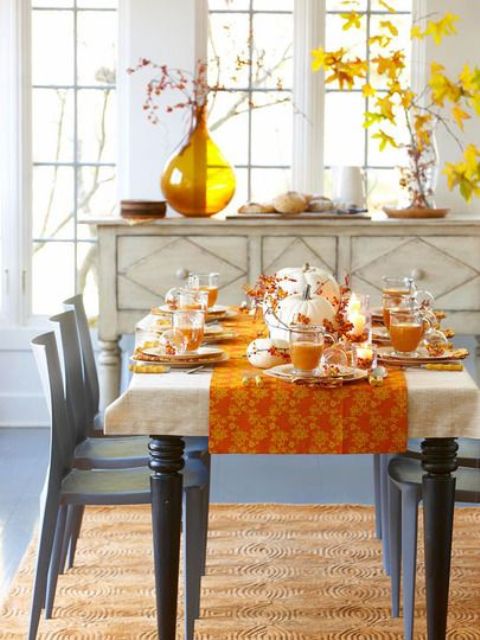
(258, 353)
(294, 281)
(316, 308)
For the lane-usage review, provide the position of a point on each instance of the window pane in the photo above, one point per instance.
(398, 5)
(52, 126)
(53, 202)
(272, 123)
(344, 132)
(353, 40)
(268, 183)
(231, 5)
(97, 191)
(52, 3)
(272, 51)
(228, 124)
(96, 125)
(98, 4)
(229, 41)
(402, 41)
(339, 5)
(52, 57)
(278, 5)
(241, 177)
(53, 275)
(97, 55)
(87, 276)
(383, 188)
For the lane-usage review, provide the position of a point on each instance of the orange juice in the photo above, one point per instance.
(395, 292)
(386, 317)
(191, 306)
(212, 295)
(406, 336)
(305, 355)
(194, 336)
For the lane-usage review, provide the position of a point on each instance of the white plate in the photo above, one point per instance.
(380, 334)
(346, 375)
(202, 353)
(182, 363)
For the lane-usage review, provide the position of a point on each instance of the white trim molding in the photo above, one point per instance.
(309, 98)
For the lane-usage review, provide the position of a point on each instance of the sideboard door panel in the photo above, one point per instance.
(293, 251)
(447, 266)
(148, 266)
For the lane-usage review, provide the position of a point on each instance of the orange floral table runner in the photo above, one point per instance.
(278, 417)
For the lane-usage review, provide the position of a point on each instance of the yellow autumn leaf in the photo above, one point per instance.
(385, 107)
(470, 78)
(406, 98)
(436, 67)
(471, 160)
(416, 32)
(465, 174)
(318, 59)
(385, 139)
(381, 39)
(475, 103)
(442, 88)
(352, 19)
(368, 91)
(459, 115)
(371, 118)
(440, 28)
(387, 6)
(387, 24)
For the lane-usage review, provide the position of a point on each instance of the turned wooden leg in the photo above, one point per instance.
(477, 358)
(439, 460)
(166, 461)
(109, 364)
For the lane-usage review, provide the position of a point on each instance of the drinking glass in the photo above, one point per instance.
(306, 348)
(205, 282)
(406, 331)
(192, 325)
(398, 285)
(188, 299)
(365, 356)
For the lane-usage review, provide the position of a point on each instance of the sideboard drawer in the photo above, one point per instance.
(448, 266)
(148, 266)
(293, 251)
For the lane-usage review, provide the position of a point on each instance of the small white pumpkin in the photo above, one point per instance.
(259, 355)
(316, 308)
(322, 283)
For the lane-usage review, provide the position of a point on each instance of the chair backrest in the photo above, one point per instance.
(88, 355)
(45, 350)
(75, 385)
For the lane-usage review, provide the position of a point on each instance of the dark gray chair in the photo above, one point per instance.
(405, 493)
(65, 486)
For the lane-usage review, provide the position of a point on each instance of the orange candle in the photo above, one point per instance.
(305, 355)
(406, 336)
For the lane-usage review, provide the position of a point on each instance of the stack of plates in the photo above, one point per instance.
(204, 355)
(388, 356)
(218, 312)
(344, 375)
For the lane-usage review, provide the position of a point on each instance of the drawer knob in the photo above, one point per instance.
(182, 273)
(417, 274)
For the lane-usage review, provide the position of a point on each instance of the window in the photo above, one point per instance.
(346, 141)
(250, 54)
(253, 120)
(73, 143)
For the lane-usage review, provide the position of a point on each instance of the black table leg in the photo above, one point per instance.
(439, 460)
(166, 460)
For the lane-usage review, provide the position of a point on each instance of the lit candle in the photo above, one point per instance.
(355, 316)
(365, 356)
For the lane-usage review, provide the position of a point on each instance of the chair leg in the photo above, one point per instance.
(77, 517)
(55, 560)
(377, 496)
(410, 499)
(205, 513)
(192, 554)
(384, 460)
(66, 540)
(394, 535)
(45, 543)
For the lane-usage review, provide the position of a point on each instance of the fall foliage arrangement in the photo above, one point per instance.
(444, 101)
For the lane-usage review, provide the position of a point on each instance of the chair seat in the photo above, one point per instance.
(410, 472)
(125, 486)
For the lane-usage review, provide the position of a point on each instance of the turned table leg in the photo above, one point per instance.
(166, 462)
(439, 460)
(109, 365)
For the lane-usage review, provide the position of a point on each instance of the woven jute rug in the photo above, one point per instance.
(275, 572)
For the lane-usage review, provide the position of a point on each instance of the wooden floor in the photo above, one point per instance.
(275, 572)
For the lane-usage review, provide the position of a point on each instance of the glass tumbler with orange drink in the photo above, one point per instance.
(306, 347)
(406, 331)
(205, 282)
(192, 325)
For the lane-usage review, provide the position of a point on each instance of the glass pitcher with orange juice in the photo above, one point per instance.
(205, 282)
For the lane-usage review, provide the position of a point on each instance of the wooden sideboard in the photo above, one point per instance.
(139, 263)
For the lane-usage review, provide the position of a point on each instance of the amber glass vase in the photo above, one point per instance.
(197, 180)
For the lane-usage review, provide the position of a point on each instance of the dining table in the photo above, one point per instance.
(442, 407)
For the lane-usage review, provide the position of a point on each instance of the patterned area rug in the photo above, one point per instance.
(275, 572)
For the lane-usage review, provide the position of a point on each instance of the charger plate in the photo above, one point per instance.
(387, 356)
(345, 375)
(205, 355)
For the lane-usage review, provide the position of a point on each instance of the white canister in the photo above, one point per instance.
(348, 187)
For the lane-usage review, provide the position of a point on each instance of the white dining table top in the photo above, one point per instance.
(440, 404)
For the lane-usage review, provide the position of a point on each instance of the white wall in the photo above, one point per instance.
(453, 53)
